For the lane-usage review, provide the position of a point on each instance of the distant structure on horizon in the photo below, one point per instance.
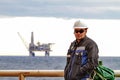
(46, 47)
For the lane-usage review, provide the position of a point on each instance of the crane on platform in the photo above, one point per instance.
(46, 47)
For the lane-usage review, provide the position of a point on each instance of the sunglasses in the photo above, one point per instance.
(80, 31)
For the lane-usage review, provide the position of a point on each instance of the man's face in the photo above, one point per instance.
(80, 33)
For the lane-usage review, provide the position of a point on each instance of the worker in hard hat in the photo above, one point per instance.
(82, 56)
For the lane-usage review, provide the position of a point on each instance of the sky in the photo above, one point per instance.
(52, 21)
(97, 9)
(56, 30)
(46, 30)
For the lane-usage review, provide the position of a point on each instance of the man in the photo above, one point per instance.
(82, 56)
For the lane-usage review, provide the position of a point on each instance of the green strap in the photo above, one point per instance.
(98, 75)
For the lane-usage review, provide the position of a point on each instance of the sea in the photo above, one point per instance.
(45, 63)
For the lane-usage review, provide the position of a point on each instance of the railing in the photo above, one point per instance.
(37, 73)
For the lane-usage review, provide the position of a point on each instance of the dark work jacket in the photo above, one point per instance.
(82, 59)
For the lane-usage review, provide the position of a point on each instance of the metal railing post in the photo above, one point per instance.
(21, 77)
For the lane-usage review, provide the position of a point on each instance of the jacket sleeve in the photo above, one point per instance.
(92, 51)
(68, 56)
(67, 63)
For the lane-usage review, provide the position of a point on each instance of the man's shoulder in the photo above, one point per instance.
(90, 40)
(73, 42)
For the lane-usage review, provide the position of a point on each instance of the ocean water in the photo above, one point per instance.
(43, 63)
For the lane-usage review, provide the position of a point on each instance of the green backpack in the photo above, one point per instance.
(103, 73)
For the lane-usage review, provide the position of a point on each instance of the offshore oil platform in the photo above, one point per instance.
(46, 47)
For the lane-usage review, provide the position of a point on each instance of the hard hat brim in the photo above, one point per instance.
(80, 27)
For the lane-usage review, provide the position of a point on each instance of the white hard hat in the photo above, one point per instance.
(79, 24)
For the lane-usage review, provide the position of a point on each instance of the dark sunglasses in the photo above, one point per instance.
(80, 31)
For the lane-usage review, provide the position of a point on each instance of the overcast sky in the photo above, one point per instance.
(28, 15)
(98, 9)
